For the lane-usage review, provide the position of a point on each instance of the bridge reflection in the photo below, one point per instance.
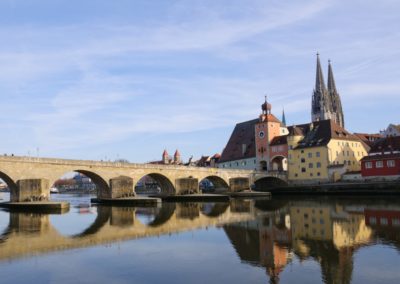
(30, 234)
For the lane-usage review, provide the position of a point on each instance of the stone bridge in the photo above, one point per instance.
(30, 178)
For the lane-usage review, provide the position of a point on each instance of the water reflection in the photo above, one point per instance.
(327, 231)
(269, 234)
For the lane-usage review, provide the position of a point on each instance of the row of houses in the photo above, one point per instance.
(316, 152)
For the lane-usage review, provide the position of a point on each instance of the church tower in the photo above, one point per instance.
(326, 102)
(335, 98)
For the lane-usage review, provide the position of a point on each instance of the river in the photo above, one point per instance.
(281, 240)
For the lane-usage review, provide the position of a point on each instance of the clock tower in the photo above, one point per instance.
(266, 129)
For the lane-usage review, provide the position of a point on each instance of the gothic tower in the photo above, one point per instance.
(321, 108)
(335, 98)
(326, 103)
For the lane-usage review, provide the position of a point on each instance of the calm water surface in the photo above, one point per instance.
(283, 240)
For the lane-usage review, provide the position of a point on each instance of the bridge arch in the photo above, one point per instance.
(160, 215)
(165, 184)
(265, 183)
(12, 185)
(218, 184)
(213, 209)
(279, 163)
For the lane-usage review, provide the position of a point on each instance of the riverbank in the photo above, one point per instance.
(362, 188)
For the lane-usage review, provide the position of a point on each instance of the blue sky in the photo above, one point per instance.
(126, 79)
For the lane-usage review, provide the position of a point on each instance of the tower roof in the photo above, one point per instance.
(177, 154)
(319, 81)
(283, 118)
(165, 153)
(331, 79)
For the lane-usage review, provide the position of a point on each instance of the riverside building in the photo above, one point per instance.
(322, 151)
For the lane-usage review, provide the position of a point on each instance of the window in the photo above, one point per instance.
(383, 221)
(303, 160)
(368, 165)
(290, 156)
(296, 175)
(303, 170)
(310, 165)
(372, 220)
(349, 163)
(318, 154)
(391, 164)
(396, 222)
(310, 155)
(379, 164)
(318, 174)
(318, 165)
(302, 151)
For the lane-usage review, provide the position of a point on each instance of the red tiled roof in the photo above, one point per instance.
(381, 157)
(386, 144)
(270, 117)
(319, 133)
(244, 133)
(368, 139)
(279, 140)
(217, 156)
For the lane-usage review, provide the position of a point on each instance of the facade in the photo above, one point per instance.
(270, 134)
(258, 144)
(383, 161)
(326, 103)
(322, 151)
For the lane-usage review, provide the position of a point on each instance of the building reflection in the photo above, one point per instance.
(326, 232)
(264, 242)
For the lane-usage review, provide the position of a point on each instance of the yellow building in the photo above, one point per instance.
(322, 151)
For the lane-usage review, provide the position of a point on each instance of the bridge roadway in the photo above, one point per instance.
(32, 234)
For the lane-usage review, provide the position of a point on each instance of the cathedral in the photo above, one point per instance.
(326, 102)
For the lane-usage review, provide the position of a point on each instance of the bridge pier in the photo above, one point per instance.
(29, 223)
(122, 216)
(239, 184)
(186, 186)
(30, 190)
(121, 187)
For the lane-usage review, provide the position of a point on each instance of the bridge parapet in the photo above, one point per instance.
(276, 174)
(94, 163)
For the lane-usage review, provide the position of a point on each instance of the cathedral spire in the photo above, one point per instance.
(335, 98)
(283, 117)
(331, 79)
(319, 81)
